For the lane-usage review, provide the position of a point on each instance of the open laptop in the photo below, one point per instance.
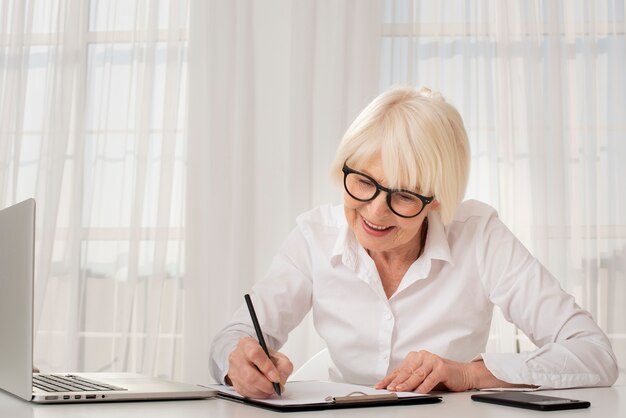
(17, 250)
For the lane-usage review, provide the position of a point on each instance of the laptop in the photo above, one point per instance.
(17, 249)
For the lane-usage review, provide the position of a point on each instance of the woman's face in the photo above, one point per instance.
(376, 227)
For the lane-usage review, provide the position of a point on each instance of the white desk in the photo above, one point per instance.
(605, 403)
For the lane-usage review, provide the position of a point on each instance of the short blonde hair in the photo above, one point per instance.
(421, 141)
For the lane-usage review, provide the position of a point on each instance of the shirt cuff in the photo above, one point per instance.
(508, 367)
(219, 360)
(529, 368)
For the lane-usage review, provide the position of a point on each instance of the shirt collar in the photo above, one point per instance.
(346, 248)
(437, 246)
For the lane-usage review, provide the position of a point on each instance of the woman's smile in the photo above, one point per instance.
(374, 229)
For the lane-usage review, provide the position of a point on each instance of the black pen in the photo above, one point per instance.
(259, 335)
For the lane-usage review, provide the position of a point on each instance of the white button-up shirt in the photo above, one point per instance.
(443, 304)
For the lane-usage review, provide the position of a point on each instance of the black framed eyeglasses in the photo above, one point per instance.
(364, 188)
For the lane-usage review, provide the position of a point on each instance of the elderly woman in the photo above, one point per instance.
(403, 277)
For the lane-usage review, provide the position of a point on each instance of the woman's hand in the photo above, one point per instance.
(252, 373)
(423, 371)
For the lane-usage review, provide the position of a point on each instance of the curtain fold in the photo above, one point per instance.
(275, 86)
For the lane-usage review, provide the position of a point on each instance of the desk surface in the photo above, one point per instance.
(605, 403)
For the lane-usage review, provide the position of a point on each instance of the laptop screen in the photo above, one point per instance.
(17, 235)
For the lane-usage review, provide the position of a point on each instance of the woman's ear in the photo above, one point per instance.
(435, 205)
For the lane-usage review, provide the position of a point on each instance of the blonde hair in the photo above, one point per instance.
(421, 141)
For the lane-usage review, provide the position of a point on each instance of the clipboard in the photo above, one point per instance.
(307, 396)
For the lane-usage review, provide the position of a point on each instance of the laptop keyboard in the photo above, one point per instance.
(69, 383)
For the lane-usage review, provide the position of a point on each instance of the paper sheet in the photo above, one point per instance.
(314, 392)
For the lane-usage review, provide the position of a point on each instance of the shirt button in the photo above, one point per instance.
(386, 356)
(388, 316)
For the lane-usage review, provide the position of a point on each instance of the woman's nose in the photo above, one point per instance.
(378, 206)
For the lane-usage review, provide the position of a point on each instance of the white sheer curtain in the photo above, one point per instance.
(275, 84)
(541, 87)
(91, 114)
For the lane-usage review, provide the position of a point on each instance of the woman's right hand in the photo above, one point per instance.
(252, 373)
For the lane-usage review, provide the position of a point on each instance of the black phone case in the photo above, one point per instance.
(531, 401)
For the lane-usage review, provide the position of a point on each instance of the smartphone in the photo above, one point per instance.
(531, 401)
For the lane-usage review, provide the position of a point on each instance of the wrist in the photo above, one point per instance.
(472, 375)
(480, 376)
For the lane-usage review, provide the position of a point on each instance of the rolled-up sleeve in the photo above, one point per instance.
(573, 350)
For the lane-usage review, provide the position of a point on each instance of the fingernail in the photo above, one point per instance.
(400, 387)
(274, 377)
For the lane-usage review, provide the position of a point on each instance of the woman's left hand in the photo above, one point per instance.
(423, 371)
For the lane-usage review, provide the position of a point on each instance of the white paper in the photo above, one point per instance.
(314, 392)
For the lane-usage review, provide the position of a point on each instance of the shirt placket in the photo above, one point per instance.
(386, 319)
(385, 336)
